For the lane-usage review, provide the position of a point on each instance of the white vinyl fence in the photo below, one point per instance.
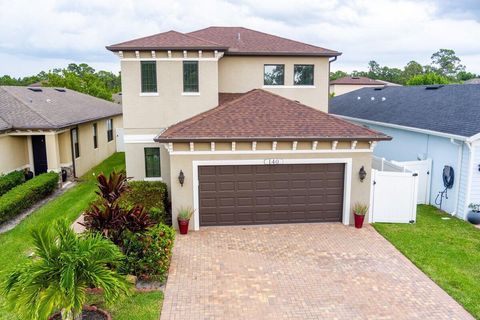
(120, 140)
(423, 168)
(394, 193)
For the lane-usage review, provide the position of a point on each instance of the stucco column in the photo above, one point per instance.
(53, 152)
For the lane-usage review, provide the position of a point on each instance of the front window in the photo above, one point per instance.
(152, 162)
(95, 138)
(274, 74)
(303, 75)
(149, 76)
(109, 130)
(76, 147)
(190, 76)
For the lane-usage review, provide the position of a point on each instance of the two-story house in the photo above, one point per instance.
(234, 121)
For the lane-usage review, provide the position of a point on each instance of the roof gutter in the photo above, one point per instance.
(397, 126)
(249, 139)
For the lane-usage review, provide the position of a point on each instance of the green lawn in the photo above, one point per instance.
(448, 251)
(15, 245)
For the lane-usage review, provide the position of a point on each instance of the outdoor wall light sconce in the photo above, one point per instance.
(181, 178)
(362, 173)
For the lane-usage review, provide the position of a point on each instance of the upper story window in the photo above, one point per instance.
(274, 74)
(303, 75)
(95, 136)
(109, 129)
(190, 76)
(149, 76)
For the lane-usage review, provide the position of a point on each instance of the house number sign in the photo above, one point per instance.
(273, 161)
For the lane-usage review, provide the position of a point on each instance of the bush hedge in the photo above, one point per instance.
(148, 253)
(11, 180)
(25, 195)
(153, 195)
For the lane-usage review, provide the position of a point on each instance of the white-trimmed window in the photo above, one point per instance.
(109, 130)
(152, 163)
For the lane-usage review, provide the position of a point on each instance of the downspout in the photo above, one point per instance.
(459, 166)
(469, 183)
(72, 147)
(329, 63)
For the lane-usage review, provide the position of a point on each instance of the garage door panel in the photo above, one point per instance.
(259, 194)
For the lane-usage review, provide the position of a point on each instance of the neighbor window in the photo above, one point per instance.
(152, 162)
(303, 75)
(95, 138)
(190, 76)
(149, 76)
(109, 130)
(76, 147)
(274, 74)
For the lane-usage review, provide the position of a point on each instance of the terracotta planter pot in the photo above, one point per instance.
(359, 220)
(183, 226)
(104, 313)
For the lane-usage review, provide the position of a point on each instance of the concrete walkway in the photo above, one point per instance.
(305, 271)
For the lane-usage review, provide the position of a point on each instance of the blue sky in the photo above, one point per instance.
(41, 35)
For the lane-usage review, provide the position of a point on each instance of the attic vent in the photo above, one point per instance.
(35, 89)
(434, 87)
(60, 89)
(378, 88)
(356, 78)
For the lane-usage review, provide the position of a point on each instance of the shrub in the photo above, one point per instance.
(152, 195)
(64, 266)
(11, 180)
(148, 254)
(108, 218)
(25, 195)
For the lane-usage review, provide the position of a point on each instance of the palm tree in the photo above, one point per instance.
(64, 266)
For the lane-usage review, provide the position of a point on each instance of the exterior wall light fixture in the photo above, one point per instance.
(181, 178)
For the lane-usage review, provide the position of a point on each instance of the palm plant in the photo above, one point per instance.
(64, 266)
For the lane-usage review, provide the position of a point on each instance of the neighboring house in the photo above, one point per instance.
(220, 115)
(473, 81)
(50, 129)
(348, 84)
(436, 122)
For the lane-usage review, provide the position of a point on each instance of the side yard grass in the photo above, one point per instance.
(15, 244)
(447, 250)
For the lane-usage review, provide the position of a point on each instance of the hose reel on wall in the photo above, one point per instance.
(448, 176)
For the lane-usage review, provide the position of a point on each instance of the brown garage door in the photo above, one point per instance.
(261, 194)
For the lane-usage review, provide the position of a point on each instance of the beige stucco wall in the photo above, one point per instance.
(241, 74)
(135, 160)
(89, 156)
(339, 89)
(183, 196)
(65, 146)
(13, 153)
(170, 106)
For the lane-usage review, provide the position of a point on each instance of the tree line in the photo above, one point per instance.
(445, 68)
(79, 77)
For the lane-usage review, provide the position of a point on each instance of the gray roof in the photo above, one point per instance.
(50, 108)
(451, 109)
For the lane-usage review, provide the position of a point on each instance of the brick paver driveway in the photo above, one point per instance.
(303, 271)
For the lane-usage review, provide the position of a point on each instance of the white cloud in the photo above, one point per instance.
(38, 35)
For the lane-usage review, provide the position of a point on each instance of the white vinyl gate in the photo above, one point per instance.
(120, 140)
(394, 193)
(423, 168)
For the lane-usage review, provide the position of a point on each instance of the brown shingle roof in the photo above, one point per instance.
(261, 115)
(50, 108)
(232, 40)
(357, 80)
(170, 40)
(243, 41)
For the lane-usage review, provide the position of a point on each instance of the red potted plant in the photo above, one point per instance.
(184, 216)
(359, 212)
